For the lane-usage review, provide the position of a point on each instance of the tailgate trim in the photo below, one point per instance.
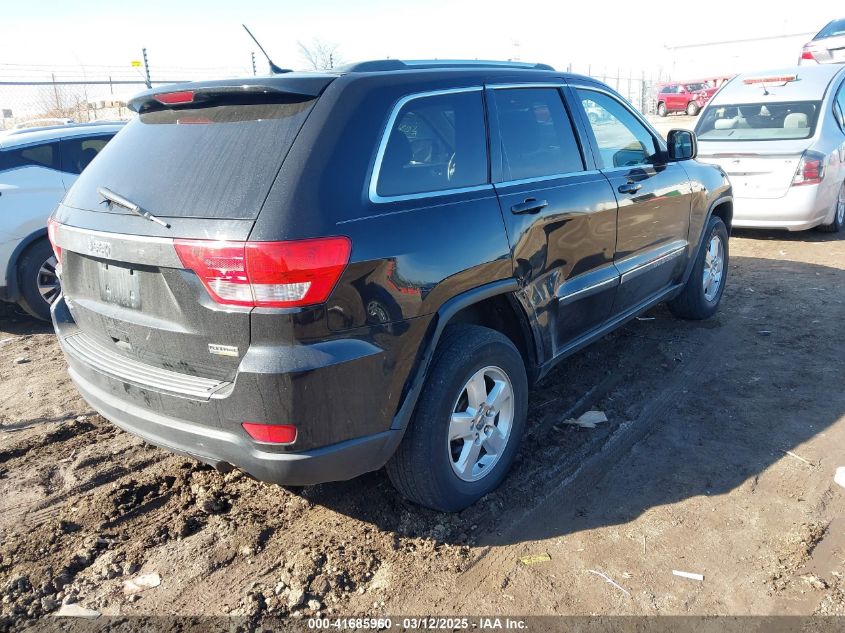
(105, 361)
(133, 249)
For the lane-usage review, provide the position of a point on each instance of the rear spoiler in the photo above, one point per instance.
(301, 84)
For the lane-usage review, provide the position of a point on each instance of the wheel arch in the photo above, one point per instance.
(721, 207)
(493, 305)
(12, 273)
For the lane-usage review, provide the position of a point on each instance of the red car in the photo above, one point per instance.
(687, 97)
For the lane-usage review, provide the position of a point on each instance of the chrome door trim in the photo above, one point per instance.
(634, 266)
(382, 147)
(587, 291)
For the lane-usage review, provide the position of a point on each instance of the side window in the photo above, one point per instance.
(436, 143)
(622, 140)
(78, 152)
(46, 155)
(536, 132)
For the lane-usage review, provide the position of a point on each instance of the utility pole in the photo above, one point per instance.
(146, 68)
(56, 91)
(254, 72)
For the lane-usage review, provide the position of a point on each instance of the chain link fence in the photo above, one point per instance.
(639, 87)
(59, 97)
(25, 104)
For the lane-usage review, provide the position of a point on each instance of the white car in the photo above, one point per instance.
(780, 137)
(827, 47)
(36, 168)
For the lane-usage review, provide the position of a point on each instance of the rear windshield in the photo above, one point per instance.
(216, 161)
(759, 121)
(837, 27)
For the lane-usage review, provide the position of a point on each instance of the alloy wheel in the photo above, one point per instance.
(48, 281)
(714, 262)
(481, 424)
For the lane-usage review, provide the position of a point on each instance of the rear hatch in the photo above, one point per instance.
(201, 159)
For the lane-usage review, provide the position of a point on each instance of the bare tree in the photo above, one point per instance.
(320, 55)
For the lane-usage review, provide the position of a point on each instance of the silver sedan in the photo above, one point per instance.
(780, 137)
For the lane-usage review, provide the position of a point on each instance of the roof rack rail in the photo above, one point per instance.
(381, 65)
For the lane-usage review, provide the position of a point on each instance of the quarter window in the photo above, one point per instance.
(840, 106)
(437, 143)
(78, 152)
(536, 132)
(45, 155)
(622, 140)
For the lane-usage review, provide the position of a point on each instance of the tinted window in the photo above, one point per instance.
(436, 143)
(537, 135)
(622, 140)
(759, 121)
(78, 152)
(216, 160)
(45, 155)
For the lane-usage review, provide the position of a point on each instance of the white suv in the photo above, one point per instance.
(36, 168)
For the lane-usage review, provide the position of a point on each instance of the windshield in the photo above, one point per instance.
(759, 121)
(837, 27)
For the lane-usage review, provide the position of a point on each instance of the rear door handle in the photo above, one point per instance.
(531, 205)
(630, 187)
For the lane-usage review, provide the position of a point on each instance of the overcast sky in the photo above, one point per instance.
(207, 33)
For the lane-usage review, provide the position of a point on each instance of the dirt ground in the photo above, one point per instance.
(718, 459)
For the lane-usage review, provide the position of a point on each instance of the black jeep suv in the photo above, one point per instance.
(311, 276)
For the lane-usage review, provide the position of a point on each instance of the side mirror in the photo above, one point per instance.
(682, 144)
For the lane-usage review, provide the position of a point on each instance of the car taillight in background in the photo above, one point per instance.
(267, 274)
(810, 169)
(807, 53)
(52, 227)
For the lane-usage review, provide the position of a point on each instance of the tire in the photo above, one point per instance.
(695, 301)
(838, 215)
(692, 108)
(425, 468)
(36, 273)
(661, 109)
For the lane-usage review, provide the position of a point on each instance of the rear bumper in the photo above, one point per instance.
(800, 209)
(208, 427)
(225, 450)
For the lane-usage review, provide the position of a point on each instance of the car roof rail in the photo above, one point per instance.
(383, 65)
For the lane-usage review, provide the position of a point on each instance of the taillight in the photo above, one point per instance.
(807, 53)
(810, 169)
(271, 433)
(52, 228)
(267, 274)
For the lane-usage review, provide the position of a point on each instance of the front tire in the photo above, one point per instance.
(692, 108)
(661, 109)
(468, 422)
(39, 284)
(703, 291)
(838, 215)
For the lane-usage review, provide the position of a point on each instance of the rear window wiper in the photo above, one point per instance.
(110, 198)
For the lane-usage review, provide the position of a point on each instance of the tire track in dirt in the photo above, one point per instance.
(496, 559)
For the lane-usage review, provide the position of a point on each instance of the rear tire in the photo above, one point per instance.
(39, 285)
(443, 461)
(703, 291)
(838, 215)
(692, 108)
(661, 109)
